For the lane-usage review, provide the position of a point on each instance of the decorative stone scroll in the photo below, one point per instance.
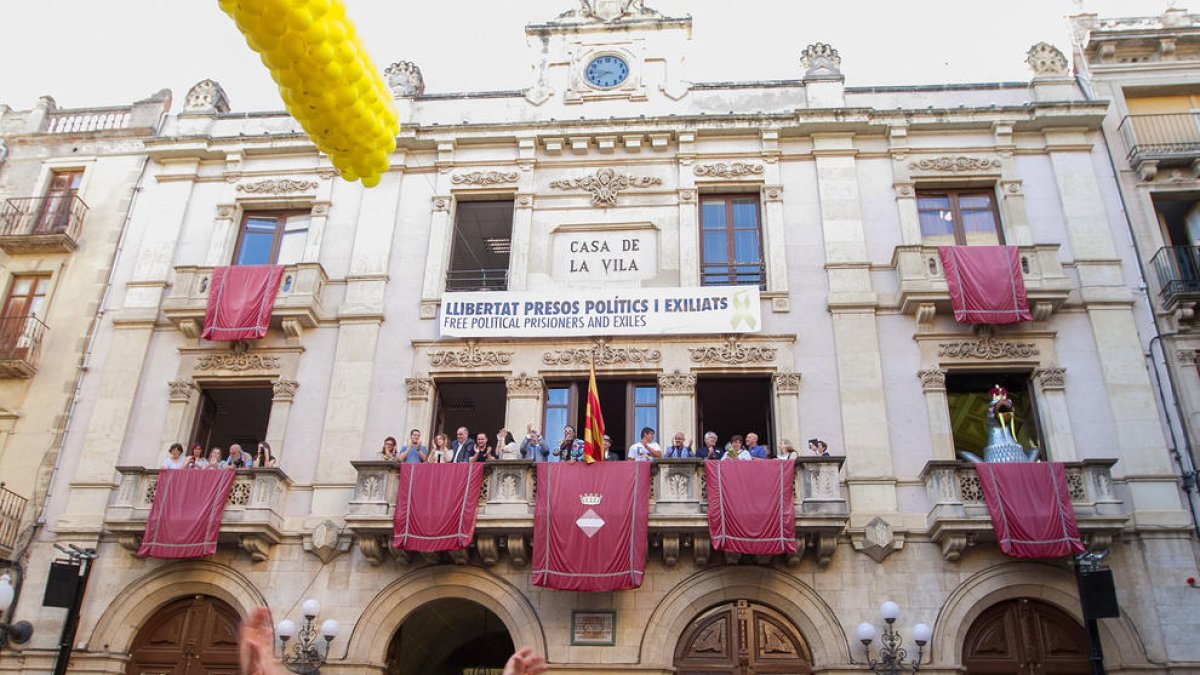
(1046, 59)
(731, 170)
(955, 164)
(677, 383)
(525, 386)
(1052, 377)
(733, 352)
(602, 354)
(605, 184)
(419, 388)
(787, 382)
(471, 357)
(277, 186)
(285, 390)
(932, 379)
(238, 362)
(181, 390)
(485, 177)
(987, 349)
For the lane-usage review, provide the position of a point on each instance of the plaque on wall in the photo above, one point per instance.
(604, 254)
(594, 627)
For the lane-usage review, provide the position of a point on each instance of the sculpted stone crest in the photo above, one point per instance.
(404, 79)
(602, 353)
(605, 184)
(238, 362)
(820, 60)
(733, 353)
(987, 349)
(1046, 59)
(206, 96)
(607, 11)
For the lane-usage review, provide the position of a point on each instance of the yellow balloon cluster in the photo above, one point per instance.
(326, 79)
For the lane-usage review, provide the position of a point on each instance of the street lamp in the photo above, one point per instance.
(19, 632)
(891, 655)
(307, 654)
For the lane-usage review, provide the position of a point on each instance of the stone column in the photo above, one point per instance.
(420, 406)
(223, 232)
(786, 386)
(689, 213)
(441, 235)
(774, 239)
(281, 409)
(677, 398)
(937, 411)
(180, 411)
(1054, 414)
(526, 396)
(1014, 217)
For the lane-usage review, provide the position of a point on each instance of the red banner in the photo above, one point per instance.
(1031, 509)
(985, 284)
(240, 300)
(590, 525)
(185, 518)
(436, 506)
(750, 506)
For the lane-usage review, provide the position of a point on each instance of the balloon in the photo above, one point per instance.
(371, 180)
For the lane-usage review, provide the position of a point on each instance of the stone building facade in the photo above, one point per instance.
(829, 200)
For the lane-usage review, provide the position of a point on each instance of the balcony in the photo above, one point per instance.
(959, 517)
(1165, 140)
(477, 280)
(41, 224)
(923, 282)
(253, 517)
(297, 305)
(12, 510)
(20, 345)
(1178, 271)
(678, 507)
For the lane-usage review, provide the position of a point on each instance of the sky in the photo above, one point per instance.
(88, 53)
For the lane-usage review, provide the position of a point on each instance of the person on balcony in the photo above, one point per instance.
(679, 447)
(175, 459)
(195, 458)
(388, 452)
(236, 459)
(482, 452)
(756, 451)
(610, 454)
(506, 445)
(645, 449)
(463, 446)
(568, 442)
(736, 451)
(264, 458)
(787, 452)
(414, 452)
(214, 458)
(711, 449)
(534, 446)
(441, 452)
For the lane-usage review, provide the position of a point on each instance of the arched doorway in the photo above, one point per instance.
(195, 635)
(1025, 637)
(450, 636)
(739, 638)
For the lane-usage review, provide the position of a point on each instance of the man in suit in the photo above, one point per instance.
(462, 445)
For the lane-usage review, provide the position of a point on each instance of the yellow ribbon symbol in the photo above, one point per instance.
(741, 312)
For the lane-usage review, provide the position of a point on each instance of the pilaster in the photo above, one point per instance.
(786, 387)
(526, 396)
(183, 397)
(678, 400)
(419, 414)
(284, 392)
(1054, 414)
(937, 411)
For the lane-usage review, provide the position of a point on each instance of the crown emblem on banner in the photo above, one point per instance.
(590, 498)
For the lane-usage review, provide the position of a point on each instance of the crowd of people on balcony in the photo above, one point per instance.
(216, 458)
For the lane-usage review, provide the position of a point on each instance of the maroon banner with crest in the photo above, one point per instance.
(185, 517)
(750, 506)
(1031, 509)
(436, 506)
(590, 525)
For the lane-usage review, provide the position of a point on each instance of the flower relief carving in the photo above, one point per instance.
(285, 390)
(470, 357)
(677, 383)
(277, 186)
(824, 481)
(731, 170)
(679, 487)
(602, 354)
(181, 390)
(524, 386)
(954, 164)
(1045, 59)
(820, 60)
(988, 349)
(932, 379)
(509, 487)
(372, 486)
(605, 184)
(733, 352)
(206, 96)
(484, 177)
(238, 359)
(404, 79)
(787, 382)
(1052, 377)
(418, 387)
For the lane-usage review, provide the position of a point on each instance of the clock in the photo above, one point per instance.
(606, 71)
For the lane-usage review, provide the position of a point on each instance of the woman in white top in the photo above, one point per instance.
(195, 458)
(440, 453)
(787, 452)
(736, 451)
(506, 445)
(176, 460)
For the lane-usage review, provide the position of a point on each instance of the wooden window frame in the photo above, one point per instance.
(577, 402)
(954, 195)
(281, 217)
(35, 278)
(728, 199)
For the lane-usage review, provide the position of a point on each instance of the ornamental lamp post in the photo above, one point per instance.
(892, 657)
(16, 633)
(308, 653)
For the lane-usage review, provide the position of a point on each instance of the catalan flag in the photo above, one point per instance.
(593, 430)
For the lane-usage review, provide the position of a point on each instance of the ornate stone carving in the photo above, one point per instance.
(518, 553)
(325, 541)
(786, 382)
(488, 548)
(602, 354)
(793, 559)
(1052, 377)
(525, 386)
(733, 353)
(731, 170)
(607, 11)
(181, 390)
(954, 164)
(701, 549)
(987, 349)
(257, 546)
(419, 388)
(485, 177)
(821, 61)
(277, 186)
(954, 543)
(878, 540)
(373, 547)
(1045, 59)
(670, 549)
(605, 184)
(677, 383)
(470, 357)
(826, 546)
(932, 379)
(285, 390)
(238, 361)
(206, 96)
(404, 79)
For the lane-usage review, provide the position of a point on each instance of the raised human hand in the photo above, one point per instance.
(525, 662)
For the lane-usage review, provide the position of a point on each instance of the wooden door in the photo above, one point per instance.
(1025, 637)
(741, 638)
(55, 212)
(189, 636)
(23, 308)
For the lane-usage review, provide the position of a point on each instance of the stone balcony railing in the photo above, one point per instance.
(923, 282)
(253, 516)
(678, 511)
(959, 516)
(297, 306)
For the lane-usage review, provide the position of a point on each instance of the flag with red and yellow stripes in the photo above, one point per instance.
(593, 430)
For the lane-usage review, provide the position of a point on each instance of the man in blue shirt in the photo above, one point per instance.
(756, 451)
(414, 452)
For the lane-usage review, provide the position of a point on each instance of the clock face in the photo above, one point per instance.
(606, 71)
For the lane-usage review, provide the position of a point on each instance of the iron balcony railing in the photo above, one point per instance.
(1166, 138)
(21, 338)
(734, 274)
(477, 280)
(56, 214)
(12, 509)
(1178, 270)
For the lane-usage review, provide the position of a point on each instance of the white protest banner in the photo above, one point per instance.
(640, 311)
